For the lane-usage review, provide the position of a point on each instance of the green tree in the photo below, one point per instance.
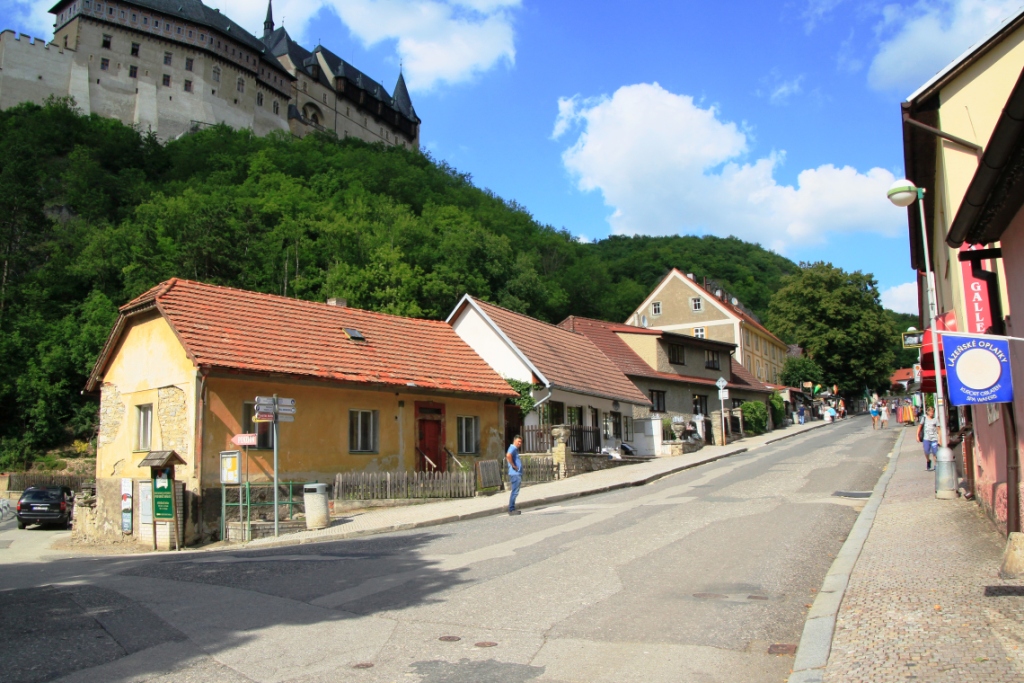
(755, 417)
(836, 317)
(798, 370)
(905, 358)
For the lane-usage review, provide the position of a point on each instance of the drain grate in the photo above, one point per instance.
(1004, 591)
(851, 494)
(782, 649)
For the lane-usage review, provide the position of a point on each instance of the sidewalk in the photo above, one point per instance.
(432, 514)
(924, 601)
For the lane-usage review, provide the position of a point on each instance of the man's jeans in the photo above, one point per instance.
(514, 480)
(802, 418)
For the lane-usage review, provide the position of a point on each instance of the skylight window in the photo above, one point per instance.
(354, 335)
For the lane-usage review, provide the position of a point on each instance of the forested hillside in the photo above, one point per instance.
(92, 213)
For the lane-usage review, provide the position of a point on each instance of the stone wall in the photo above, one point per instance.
(172, 414)
(112, 410)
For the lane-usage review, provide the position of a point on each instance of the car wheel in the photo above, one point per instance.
(21, 524)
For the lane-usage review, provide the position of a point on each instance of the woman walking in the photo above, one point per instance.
(883, 414)
(874, 416)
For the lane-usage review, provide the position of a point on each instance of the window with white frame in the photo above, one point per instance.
(144, 427)
(656, 308)
(362, 431)
(698, 332)
(697, 304)
(469, 434)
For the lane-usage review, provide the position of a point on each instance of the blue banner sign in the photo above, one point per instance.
(977, 369)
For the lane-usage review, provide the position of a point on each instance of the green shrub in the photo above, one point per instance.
(755, 417)
(778, 409)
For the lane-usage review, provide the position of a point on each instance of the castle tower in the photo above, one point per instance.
(268, 25)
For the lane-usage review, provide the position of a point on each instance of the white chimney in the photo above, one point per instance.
(340, 303)
(690, 275)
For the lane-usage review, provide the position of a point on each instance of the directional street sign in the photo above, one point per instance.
(723, 394)
(263, 417)
(286, 402)
(285, 410)
(265, 400)
(245, 439)
(721, 383)
(286, 418)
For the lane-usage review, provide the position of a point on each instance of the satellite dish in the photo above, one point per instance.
(643, 321)
(718, 293)
(735, 301)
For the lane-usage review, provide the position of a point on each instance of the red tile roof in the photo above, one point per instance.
(605, 337)
(568, 360)
(744, 379)
(250, 332)
(902, 375)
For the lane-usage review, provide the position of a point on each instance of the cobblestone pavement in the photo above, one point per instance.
(925, 601)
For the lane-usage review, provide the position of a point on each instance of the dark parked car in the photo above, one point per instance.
(51, 505)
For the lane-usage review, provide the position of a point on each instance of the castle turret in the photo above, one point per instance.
(402, 100)
(268, 25)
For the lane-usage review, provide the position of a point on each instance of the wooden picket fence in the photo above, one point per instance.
(20, 481)
(398, 485)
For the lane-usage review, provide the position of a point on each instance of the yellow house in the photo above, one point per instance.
(185, 362)
(953, 151)
(682, 305)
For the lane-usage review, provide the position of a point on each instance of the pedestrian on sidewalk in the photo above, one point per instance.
(928, 435)
(515, 473)
(883, 415)
(802, 412)
(874, 416)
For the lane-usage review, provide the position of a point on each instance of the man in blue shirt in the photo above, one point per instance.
(515, 473)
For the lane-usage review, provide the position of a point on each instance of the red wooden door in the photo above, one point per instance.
(431, 457)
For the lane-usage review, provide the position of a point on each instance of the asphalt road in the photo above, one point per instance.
(692, 578)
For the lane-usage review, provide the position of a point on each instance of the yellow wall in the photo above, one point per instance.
(757, 355)
(316, 446)
(148, 359)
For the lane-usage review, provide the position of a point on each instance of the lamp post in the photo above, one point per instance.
(903, 193)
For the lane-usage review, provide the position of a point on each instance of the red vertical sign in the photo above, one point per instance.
(977, 308)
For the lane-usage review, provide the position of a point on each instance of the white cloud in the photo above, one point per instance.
(779, 90)
(920, 39)
(901, 298)
(817, 11)
(687, 174)
(32, 15)
(438, 41)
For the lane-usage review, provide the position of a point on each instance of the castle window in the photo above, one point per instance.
(135, 17)
(179, 30)
(122, 14)
(325, 98)
(135, 49)
(104, 64)
(106, 41)
(99, 8)
(167, 81)
(202, 37)
(156, 25)
(133, 72)
(188, 86)
(259, 99)
(168, 58)
(190, 35)
(216, 74)
(277, 108)
(240, 86)
(188, 64)
(110, 11)
(145, 21)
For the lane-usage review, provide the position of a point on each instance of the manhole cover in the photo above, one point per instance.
(710, 596)
(782, 649)
(1004, 591)
(486, 643)
(363, 665)
(851, 494)
(449, 639)
(4, 545)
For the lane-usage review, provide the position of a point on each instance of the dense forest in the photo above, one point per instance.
(93, 212)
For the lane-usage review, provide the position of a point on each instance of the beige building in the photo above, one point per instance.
(961, 145)
(173, 66)
(679, 304)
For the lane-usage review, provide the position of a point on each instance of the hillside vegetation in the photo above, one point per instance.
(93, 213)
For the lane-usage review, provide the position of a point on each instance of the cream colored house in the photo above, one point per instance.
(172, 66)
(680, 304)
(948, 127)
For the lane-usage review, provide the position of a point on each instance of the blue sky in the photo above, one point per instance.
(775, 122)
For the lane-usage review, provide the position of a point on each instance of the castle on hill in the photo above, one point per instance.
(173, 66)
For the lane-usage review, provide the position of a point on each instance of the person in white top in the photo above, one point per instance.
(884, 414)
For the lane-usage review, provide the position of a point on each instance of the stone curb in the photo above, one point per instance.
(498, 510)
(816, 642)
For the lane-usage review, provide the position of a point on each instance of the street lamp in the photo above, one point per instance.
(903, 193)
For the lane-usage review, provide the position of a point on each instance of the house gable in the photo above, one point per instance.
(676, 294)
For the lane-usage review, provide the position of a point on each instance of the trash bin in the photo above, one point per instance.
(945, 474)
(314, 497)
